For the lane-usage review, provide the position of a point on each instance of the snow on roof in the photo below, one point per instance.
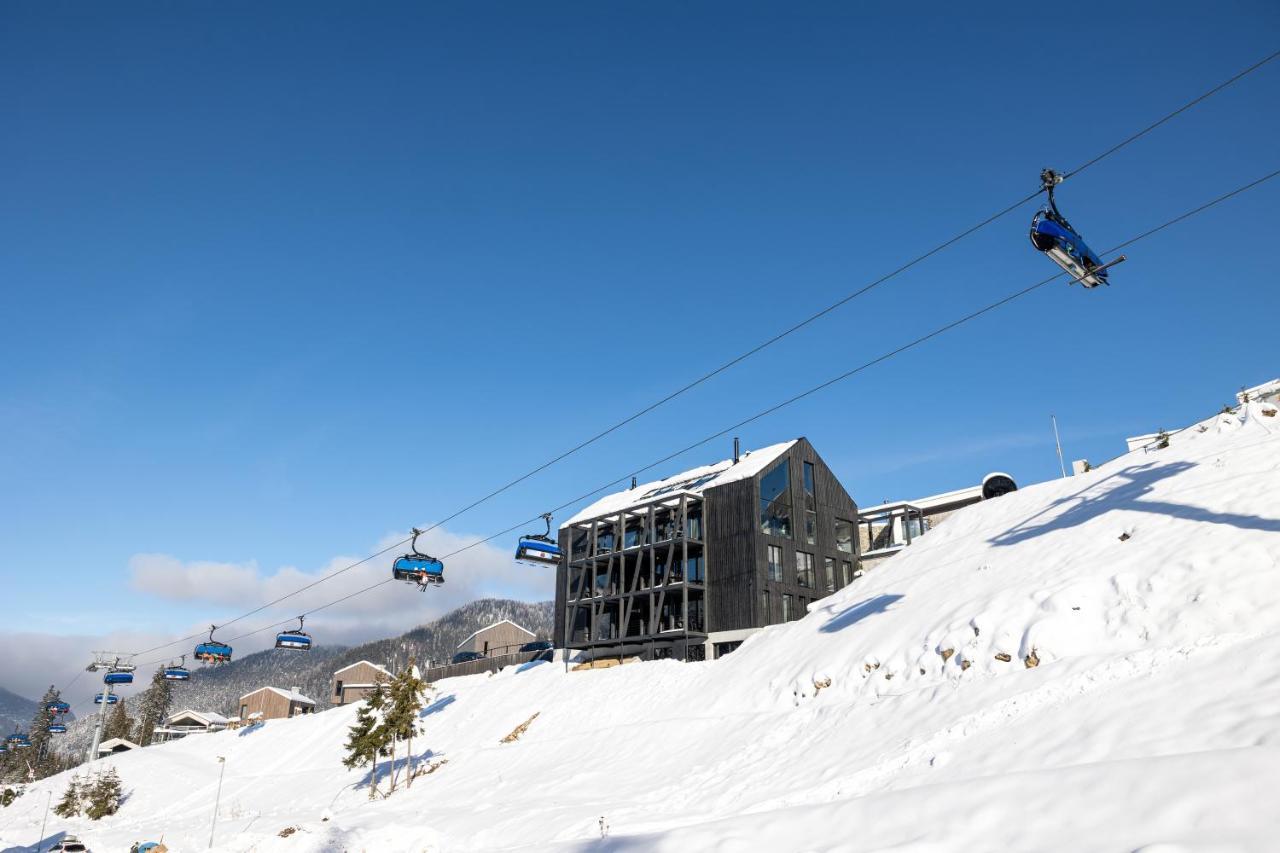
(366, 663)
(971, 493)
(112, 743)
(209, 717)
(695, 481)
(291, 695)
(494, 625)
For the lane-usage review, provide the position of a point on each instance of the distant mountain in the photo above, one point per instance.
(220, 688)
(15, 710)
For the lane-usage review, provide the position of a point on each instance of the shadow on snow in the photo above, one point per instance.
(857, 612)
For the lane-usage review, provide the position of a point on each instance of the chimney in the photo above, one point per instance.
(633, 481)
(736, 450)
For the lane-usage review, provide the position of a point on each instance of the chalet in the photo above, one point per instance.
(500, 638)
(189, 722)
(689, 566)
(353, 683)
(274, 703)
(115, 745)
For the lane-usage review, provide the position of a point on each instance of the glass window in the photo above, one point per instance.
(604, 538)
(846, 573)
(775, 563)
(631, 537)
(829, 570)
(844, 535)
(694, 567)
(810, 527)
(810, 501)
(775, 501)
(786, 607)
(804, 569)
(695, 522)
(580, 539)
(766, 604)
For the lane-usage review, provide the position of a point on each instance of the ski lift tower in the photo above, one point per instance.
(105, 661)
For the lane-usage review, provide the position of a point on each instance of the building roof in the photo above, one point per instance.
(112, 743)
(382, 669)
(494, 625)
(695, 481)
(291, 695)
(209, 717)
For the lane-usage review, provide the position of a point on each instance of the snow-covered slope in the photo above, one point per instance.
(1087, 664)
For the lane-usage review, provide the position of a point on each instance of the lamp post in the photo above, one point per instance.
(45, 821)
(222, 761)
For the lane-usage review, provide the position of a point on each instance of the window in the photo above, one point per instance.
(337, 688)
(844, 535)
(244, 712)
(775, 563)
(695, 522)
(810, 507)
(775, 501)
(810, 527)
(846, 573)
(694, 567)
(604, 538)
(804, 569)
(786, 607)
(579, 544)
(766, 604)
(829, 571)
(631, 537)
(810, 502)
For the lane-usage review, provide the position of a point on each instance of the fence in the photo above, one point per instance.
(493, 663)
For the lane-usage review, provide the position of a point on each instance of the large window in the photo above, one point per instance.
(695, 569)
(766, 604)
(775, 563)
(846, 573)
(810, 507)
(786, 607)
(844, 535)
(829, 572)
(775, 501)
(804, 570)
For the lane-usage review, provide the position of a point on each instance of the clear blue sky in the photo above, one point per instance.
(282, 279)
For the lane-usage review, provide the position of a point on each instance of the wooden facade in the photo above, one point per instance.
(274, 703)
(682, 568)
(353, 683)
(500, 638)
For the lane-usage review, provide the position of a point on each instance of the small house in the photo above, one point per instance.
(115, 745)
(274, 703)
(189, 722)
(353, 683)
(500, 638)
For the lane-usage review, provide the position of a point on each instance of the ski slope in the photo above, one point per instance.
(1138, 707)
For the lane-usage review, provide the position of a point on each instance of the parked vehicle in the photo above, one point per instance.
(464, 657)
(538, 646)
(68, 844)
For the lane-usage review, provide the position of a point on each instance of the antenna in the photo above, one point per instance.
(1058, 441)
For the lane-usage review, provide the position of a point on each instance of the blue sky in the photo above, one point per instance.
(282, 280)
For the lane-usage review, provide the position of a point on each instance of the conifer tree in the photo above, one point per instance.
(153, 707)
(104, 795)
(405, 701)
(69, 805)
(118, 722)
(369, 737)
(42, 757)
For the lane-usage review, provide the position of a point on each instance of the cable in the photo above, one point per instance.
(1018, 294)
(754, 350)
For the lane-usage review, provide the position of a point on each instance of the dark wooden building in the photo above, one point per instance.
(693, 564)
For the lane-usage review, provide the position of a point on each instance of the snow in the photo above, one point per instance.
(1143, 592)
(291, 695)
(695, 481)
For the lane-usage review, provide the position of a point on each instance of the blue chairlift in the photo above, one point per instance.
(111, 699)
(115, 676)
(57, 729)
(18, 740)
(177, 671)
(58, 708)
(296, 639)
(416, 567)
(213, 651)
(538, 549)
(1053, 235)
(4, 747)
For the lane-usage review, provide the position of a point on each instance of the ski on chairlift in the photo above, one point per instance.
(212, 651)
(538, 549)
(1054, 236)
(417, 567)
(296, 639)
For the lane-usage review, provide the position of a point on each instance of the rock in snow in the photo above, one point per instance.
(1145, 715)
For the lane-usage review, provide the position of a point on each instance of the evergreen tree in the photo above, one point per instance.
(404, 703)
(153, 707)
(369, 737)
(104, 796)
(118, 722)
(42, 757)
(69, 805)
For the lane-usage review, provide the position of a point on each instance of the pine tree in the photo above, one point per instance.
(42, 757)
(69, 805)
(369, 737)
(118, 722)
(405, 701)
(104, 796)
(153, 707)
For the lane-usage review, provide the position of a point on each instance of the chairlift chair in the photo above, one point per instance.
(57, 729)
(538, 549)
(417, 567)
(58, 708)
(212, 651)
(177, 671)
(114, 676)
(1054, 236)
(295, 639)
(111, 699)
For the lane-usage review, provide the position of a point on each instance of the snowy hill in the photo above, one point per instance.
(1085, 664)
(15, 710)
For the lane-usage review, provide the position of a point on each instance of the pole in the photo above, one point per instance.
(45, 822)
(1056, 440)
(222, 761)
(97, 729)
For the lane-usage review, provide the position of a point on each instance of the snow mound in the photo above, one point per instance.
(1091, 663)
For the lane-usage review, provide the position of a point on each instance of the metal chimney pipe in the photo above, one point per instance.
(736, 450)
(633, 481)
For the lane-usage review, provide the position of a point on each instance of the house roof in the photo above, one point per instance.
(291, 695)
(695, 481)
(381, 669)
(209, 717)
(112, 743)
(494, 625)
